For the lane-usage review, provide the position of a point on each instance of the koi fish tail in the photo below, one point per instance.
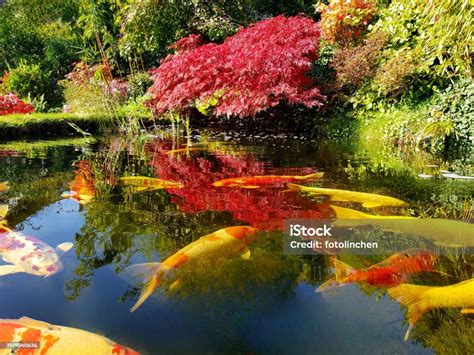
(3, 211)
(342, 270)
(312, 176)
(412, 297)
(152, 274)
(294, 187)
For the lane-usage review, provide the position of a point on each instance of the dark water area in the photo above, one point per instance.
(266, 304)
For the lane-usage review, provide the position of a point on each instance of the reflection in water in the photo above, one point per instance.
(216, 304)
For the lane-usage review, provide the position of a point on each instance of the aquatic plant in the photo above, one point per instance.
(257, 68)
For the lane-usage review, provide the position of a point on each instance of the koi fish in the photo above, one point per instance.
(442, 232)
(3, 213)
(347, 213)
(254, 182)
(185, 150)
(28, 254)
(222, 243)
(4, 186)
(56, 339)
(367, 200)
(422, 299)
(82, 187)
(388, 273)
(143, 183)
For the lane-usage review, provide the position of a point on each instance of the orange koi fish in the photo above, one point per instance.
(55, 339)
(143, 183)
(82, 187)
(4, 186)
(254, 182)
(222, 243)
(422, 299)
(388, 273)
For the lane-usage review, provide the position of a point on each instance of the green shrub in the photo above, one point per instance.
(27, 80)
(455, 105)
(138, 84)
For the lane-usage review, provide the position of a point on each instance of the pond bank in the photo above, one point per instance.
(48, 125)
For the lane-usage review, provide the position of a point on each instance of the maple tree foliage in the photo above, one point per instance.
(10, 103)
(345, 20)
(265, 208)
(251, 71)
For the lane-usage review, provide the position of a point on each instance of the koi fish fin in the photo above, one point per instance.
(147, 291)
(447, 244)
(10, 269)
(3, 211)
(329, 285)
(249, 186)
(312, 176)
(342, 270)
(467, 311)
(371, 204)
(294, 187)
(175, 285)
(245, 253)
(64, 248)
(412, 297)
(144, 271)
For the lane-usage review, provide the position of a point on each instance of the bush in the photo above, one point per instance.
(344, 21)
(354, 65)
(27, 79)
(138, 84)
(397, 74)
(439, 32)
(10, 103)
(93, 90)
(455, 105)
(255, 69)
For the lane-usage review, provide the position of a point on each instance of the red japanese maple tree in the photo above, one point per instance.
(10, 103)
(253, 70)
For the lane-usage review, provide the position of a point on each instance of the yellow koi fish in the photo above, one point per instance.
(367, 200)
(185, 150)
(254, 182)
(422, 299)
(442, 232)
(143, 183)
(347, 213)
(56, 339)
(4, 186)
(3, 214)
(222, 243)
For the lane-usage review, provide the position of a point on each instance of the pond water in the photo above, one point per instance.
(266, 304)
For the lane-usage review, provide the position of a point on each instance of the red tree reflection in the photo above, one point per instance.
(264, 208)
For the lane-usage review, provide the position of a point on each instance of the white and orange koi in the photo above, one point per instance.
(29, 255)
(222, 243)
(56, 339)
